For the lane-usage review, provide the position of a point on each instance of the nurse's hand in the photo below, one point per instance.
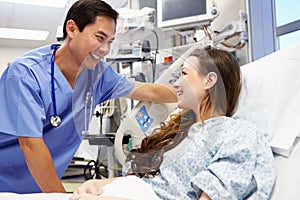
(92, 186)
(88, 187)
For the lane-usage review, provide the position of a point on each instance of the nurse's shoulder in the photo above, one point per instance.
(28, 62)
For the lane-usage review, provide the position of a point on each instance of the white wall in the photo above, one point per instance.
(8, 54)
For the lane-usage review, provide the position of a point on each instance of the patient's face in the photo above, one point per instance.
(190, 87)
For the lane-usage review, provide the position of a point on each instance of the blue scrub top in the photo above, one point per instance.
(26, 107)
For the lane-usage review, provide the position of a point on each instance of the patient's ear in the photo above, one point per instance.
(210, 80)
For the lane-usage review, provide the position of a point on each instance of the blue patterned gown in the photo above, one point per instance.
(224, 157)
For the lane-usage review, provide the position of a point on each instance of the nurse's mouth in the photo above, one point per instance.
(94, 56)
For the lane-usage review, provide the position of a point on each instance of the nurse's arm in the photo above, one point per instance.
(40, 164)
(158, 93)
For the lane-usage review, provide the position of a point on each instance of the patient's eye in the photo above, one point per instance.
(183, 72)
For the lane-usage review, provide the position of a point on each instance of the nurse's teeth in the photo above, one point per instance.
(95, 56)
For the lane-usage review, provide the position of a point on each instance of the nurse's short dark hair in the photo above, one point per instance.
(84, 12)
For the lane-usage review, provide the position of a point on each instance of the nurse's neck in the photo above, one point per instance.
(68, 65)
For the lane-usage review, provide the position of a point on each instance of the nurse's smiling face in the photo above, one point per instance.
(93, 43)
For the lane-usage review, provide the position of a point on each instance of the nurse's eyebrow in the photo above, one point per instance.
(104, 34)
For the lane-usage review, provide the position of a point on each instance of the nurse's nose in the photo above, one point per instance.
(104, 47)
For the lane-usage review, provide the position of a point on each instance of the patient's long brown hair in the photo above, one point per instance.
(146, 160)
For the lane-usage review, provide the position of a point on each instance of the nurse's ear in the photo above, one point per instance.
(210, 80)
(70, 28)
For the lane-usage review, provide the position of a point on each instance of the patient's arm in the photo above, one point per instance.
(204, 196)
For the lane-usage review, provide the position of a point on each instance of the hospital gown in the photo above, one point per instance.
(224, 157)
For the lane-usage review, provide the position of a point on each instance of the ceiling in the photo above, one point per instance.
(37, 18)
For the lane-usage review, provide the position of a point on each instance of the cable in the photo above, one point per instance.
(207, 32)
(240, 45)
(155, 54)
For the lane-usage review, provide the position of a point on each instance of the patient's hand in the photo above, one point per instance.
(92, 186)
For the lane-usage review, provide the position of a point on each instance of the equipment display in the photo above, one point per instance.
(192, 13)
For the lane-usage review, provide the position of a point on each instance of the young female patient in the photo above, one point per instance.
(201, 152)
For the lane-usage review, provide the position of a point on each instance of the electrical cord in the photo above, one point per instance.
(92, 169)
(240, 45)
(155, 55)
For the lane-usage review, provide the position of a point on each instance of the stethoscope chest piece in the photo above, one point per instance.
(55, 121)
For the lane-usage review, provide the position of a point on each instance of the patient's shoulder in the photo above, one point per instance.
(244, 128)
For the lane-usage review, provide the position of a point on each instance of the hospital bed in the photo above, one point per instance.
(270, 97)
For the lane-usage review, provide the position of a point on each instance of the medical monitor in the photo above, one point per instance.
(185, 14)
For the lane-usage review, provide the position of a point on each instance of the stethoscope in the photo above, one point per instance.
(89, 97)
(55, 120)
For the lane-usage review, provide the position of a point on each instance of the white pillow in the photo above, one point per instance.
(270, 97)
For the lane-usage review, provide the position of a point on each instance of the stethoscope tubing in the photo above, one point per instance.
(52, 81)
(55, 120)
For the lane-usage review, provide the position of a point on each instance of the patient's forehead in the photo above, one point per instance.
(191, 63)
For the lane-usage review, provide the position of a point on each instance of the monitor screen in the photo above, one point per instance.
(178, 13)
(187, 9)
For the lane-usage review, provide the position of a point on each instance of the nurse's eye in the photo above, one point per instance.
(111, 41)
(100, 38)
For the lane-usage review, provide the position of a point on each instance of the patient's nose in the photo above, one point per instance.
(177, 82)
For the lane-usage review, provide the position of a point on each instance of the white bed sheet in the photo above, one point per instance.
(34, 196)
(288, 176)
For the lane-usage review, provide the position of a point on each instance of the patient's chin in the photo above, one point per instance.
(179, 105)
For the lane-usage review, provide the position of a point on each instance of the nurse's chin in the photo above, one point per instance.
(89, 64)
